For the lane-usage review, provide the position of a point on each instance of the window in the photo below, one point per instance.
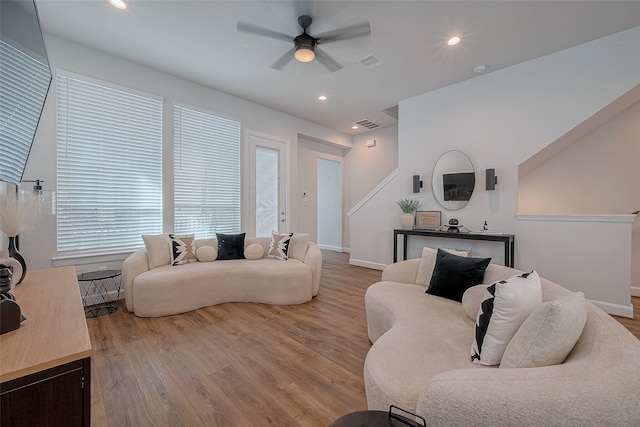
(206, 173)
(109, 166)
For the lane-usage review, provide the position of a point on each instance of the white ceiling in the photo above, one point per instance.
(199, 41)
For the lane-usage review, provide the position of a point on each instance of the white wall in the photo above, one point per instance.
(39, 246)
(501, 119)
(597, 174)
(366, 167)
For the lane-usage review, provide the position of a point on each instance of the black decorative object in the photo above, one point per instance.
(13, 253)
(454, 226)
(10, 316)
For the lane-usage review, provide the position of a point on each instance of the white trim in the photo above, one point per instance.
(106, 83)
(366, 264)
(330, 247)
(616, 218)
(615, 309)
(373, 192)
(635, 291)
(346, 250)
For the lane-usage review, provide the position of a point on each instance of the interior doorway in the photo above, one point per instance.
(329, 204)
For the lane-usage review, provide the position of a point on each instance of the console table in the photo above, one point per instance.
(507, 239)
(45, 364)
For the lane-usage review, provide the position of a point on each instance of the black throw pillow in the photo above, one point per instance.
(453, 274)
(230, 246)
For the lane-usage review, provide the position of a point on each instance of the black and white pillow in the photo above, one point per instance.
(505, 306)
(183, 249)
(279, 245)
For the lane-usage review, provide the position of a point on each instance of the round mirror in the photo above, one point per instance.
(453, 180)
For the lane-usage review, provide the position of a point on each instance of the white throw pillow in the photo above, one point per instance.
(548, 335)
(471, 300)
(298, 246)
(207, 253)
(427, 264)
(254, 251)
(506, 305)
(279, 245)
(158, 249)
(183, 249)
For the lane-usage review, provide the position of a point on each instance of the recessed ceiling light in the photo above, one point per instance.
(322, 97)
(454, 40)
(479, 69)
(354, 127)
(119, 4)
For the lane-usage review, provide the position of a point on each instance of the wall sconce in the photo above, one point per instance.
(417, 184)
(371, 143)
(492, 179)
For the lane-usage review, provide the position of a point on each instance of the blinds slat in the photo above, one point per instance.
(109, 169)
(206, 173)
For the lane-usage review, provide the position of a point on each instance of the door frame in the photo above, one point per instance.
(248, 187)
(340, 161)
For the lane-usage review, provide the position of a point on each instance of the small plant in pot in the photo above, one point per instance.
(409, 208)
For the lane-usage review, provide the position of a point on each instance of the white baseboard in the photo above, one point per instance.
(346, 250)
(330, 247)
(635, 291)
(366, 264)
(615, 309)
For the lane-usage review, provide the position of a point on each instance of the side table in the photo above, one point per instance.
(379, 419)
(99, 282)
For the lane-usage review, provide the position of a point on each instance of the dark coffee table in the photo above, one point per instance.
(388, 418)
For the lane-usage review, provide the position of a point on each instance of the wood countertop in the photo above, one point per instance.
(55, 331)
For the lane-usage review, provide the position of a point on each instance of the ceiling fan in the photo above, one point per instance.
(305, 46)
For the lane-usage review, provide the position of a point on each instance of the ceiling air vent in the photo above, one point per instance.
(365, 123)
(370, 61)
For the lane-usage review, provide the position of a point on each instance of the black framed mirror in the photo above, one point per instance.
(454, 179)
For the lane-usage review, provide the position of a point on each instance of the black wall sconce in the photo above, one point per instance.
(492, 179)
(417, 184)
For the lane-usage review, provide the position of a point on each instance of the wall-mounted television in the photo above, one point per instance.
(458, 186)
(25, 77)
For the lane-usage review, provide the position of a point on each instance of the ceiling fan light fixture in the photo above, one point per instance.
(304, 54)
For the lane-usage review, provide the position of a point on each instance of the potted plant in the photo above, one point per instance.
(409, 208)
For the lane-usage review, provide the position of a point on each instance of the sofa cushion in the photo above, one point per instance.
(471, 300)
(230, 246)
(158, 249)
(298, 246)
(453, 274)
(279, 245)
(253, 251)
(506, 304)
(548, 335)
(206, 253)
(183, 250)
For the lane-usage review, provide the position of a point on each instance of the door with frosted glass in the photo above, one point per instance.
(268, 184)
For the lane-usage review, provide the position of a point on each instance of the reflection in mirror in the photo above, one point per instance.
(453, 180)
(25, 77)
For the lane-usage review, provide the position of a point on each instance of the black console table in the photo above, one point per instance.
(507, 239)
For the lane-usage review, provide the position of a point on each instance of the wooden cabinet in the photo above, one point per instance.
(45, 365)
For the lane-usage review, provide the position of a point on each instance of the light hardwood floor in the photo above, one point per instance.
(241, 364)
(237, 364)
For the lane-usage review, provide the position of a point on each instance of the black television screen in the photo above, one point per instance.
(25, 77)
(458, 186)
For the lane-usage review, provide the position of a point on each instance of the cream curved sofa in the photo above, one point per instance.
(420, 360)
(168, 289)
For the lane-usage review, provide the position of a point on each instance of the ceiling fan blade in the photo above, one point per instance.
(362, 29)
(284, 59)
(331, 64)
(245, 27)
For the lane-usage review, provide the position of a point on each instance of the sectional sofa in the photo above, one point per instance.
(420, 358)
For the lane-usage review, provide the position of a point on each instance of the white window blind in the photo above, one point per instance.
(206, 173)
(25, 82)
(109, 167)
